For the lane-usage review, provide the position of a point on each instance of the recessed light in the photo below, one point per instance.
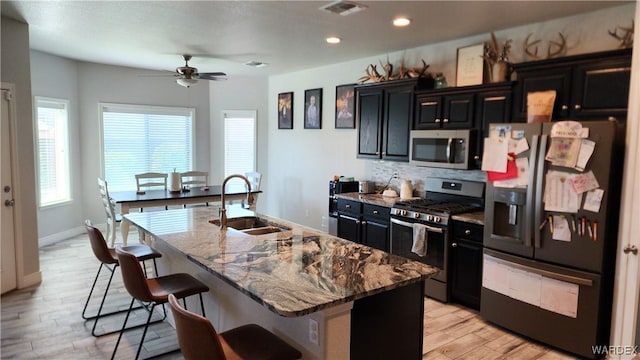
(333, 40)
(401, 22)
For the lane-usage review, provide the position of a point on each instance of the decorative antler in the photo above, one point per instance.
(626, 39)
(560, 47)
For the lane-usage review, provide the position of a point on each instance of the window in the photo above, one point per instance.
(239, 142)
(52, 126)
(138, 139)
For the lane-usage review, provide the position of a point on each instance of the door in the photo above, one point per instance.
(509, 212)
(7, 249)
(370, 119)
(458, 111)
(376, 235)
(398, 108)
(584, 251)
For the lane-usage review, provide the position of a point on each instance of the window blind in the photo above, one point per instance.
(239, 142)
(139, 139)
(53, 151)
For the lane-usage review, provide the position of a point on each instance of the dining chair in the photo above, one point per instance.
(199, 340)
(150, 180)
(255, 178)
(195, 178)
(109, 260)
(110, 211)
(153, 291)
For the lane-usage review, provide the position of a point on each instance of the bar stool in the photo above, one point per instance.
(153, 291)
(107, 256)
(199, 340)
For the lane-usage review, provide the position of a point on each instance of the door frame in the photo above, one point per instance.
(625, 325)
(17, 220)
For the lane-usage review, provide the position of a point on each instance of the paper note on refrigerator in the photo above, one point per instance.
(495, 154)
(563, 151)
(558, 193)
(561, 229)
(518, 146)
(495, 275)
(593, 200)
(568, 129)
(559, 296)
(584, 182)
(525, 286)
(522, 164)
(586, 150)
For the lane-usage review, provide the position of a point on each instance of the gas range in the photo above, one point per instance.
(443, 199)
(431, 211)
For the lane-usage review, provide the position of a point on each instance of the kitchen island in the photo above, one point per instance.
(328, 297)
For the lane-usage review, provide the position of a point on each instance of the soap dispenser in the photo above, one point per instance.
(406, 191)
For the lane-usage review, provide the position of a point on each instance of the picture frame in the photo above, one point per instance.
(285, 110)
(470, 65)
(313, 109)
(345, 106)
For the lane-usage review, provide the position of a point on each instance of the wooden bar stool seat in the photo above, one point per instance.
(198, 339)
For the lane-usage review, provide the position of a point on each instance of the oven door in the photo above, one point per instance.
(437, 249)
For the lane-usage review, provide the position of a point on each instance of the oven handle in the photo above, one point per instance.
(408, 224)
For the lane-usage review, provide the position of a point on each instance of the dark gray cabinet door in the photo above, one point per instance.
(370, 121)
(397, 119)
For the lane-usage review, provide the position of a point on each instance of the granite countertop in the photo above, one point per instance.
(473, 217)
(293, 272)
(375, 199)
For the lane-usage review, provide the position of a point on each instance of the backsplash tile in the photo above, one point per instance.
(381, 171)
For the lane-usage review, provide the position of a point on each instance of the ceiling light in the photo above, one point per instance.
(186, 82)
(401, 22)
(333, 40)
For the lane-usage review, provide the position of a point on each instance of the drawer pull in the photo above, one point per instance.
(437, 120)
(375, 212)
(467, 232)
(348, 206)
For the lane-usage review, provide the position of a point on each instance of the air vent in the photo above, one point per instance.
(255, 63)
(343, 8)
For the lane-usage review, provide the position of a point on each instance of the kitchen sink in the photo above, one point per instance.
(252, 225)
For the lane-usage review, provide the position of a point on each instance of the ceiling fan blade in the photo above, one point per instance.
(212, 76)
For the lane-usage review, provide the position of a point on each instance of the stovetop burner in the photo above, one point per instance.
(444, 198)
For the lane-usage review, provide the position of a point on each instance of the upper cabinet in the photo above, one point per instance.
(384, 112)
(590, 86)
(448, 111)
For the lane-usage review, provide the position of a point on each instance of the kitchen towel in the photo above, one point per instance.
(419, 246)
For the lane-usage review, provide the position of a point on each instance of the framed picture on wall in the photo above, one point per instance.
(285, 113)
(470, 65)
(313, 109)
(345, 107)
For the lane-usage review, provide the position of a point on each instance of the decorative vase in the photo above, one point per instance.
(500, 71)
(406, 190)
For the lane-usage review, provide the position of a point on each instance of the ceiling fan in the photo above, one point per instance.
(188, 75)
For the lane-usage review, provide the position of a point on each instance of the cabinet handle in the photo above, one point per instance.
(428, 103)
(437, 120)
(454, 245)
(565, 107)
(377, 152)
(375, 212)
(348, 206)
(577, 107)
(445, 120)
(476, 157)
(467, 232)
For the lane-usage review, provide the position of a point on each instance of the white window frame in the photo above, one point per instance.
(244, 114)
(145, 109)
(63, 161)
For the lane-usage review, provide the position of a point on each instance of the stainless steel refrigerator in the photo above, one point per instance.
(549, 258)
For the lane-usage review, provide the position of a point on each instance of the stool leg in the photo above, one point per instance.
(144, 332)
(95, 323)
(91, 292)
(124, 325)
(202, 304)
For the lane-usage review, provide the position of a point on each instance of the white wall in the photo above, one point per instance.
(56, 77)
(301, 162)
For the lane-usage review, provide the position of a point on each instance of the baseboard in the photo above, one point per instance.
(54, 238)
(30, 280)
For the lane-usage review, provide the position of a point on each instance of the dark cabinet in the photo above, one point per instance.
(448, 111)
(365, 224)
(493, 106)
(590, 86)
(384, 113)
(466, 263)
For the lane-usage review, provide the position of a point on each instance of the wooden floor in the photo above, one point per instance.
(45, 322)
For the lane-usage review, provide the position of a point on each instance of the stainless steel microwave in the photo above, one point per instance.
(451, 149)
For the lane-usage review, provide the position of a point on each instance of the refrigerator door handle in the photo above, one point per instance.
(530, 205)
(540, 173)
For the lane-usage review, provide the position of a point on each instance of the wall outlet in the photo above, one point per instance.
(395, 175)
(313, 331)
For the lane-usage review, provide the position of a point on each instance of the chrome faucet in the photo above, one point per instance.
(223, 209)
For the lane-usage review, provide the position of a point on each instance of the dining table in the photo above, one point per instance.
(165, 198)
